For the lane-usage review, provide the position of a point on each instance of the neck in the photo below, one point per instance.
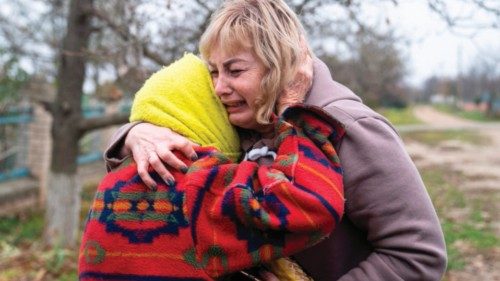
(266, 131)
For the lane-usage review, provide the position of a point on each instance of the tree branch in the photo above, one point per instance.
(205, 22)
(442, 10)
(90, 124)
(484, 6)
(127, 36)
(299, 7)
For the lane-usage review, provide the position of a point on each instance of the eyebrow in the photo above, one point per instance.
(231, 61)
(227, 63)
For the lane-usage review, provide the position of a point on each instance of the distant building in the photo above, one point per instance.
(440, 98)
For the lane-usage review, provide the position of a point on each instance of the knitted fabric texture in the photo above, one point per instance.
(219, 217)
(181, 97)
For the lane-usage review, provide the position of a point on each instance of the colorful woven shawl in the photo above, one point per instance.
(219, 217)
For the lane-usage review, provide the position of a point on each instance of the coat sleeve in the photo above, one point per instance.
(265, 212)
(112, 157)
(386, 199)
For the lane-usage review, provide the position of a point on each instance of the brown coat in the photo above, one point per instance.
(390, 230)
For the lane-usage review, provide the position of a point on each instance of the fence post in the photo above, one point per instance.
(40, 147)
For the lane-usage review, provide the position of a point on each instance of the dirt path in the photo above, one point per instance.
(429, 115)
(479, 163)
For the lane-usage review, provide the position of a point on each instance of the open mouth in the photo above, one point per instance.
(233, 106)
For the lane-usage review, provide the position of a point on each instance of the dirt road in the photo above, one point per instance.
(478, 161)
(478, 164)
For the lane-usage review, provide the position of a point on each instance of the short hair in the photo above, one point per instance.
(268, 28)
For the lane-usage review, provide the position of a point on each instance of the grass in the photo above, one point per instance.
(22, 255)
(435, 137)
(22, 229)
(468, 233)
(471, 232)
(399, 116)
(405, 116)
(468, 229)
(442, 189)
(471, 115)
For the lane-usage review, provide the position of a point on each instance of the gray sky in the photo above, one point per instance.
(434, 49)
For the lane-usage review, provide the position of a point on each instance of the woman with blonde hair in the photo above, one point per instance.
(257, 55)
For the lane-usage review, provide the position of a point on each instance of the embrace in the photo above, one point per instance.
(250, 163)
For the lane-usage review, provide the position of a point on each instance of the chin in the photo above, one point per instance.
(245, 123)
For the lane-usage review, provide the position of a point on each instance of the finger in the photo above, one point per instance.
(169, 158)
(140, 155)
(194, 144)
(142, 170)
(186, 147)
(160, 168)
(163, 172)
(165, 154)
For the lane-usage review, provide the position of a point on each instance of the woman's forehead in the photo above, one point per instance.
(225, 52)
(234, 46)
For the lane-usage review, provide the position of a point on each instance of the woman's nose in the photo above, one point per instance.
(221, 86)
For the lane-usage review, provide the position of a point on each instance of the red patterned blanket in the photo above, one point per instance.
(219, 217)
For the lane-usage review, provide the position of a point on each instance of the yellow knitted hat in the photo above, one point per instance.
(181, 97)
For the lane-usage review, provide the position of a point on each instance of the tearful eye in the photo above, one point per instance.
(214, 73)
(235, 72)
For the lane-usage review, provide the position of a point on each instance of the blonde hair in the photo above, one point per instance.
(268, 28)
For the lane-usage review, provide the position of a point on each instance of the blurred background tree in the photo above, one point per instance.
(375, 69)
(12, 78)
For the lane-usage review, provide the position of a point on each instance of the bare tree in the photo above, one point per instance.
(375, 70)
(490, 10)
(63, 189)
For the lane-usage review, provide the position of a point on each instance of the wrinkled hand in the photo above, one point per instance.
(151, 145)
(297, 89)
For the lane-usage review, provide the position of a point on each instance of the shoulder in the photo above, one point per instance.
(353, 114)
(341, 103)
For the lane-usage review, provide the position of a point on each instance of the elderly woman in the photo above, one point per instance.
(253, 49)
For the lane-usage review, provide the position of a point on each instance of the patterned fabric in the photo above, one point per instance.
(220, 217)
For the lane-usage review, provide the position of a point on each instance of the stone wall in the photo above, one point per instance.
(40, 146)
(27, 193)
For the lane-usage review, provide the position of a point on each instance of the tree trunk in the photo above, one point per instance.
(62, 209)
(63, 189)
(490, 104)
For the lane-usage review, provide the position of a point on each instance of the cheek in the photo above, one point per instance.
(252, 91)
(257, 87)
(245, 119)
